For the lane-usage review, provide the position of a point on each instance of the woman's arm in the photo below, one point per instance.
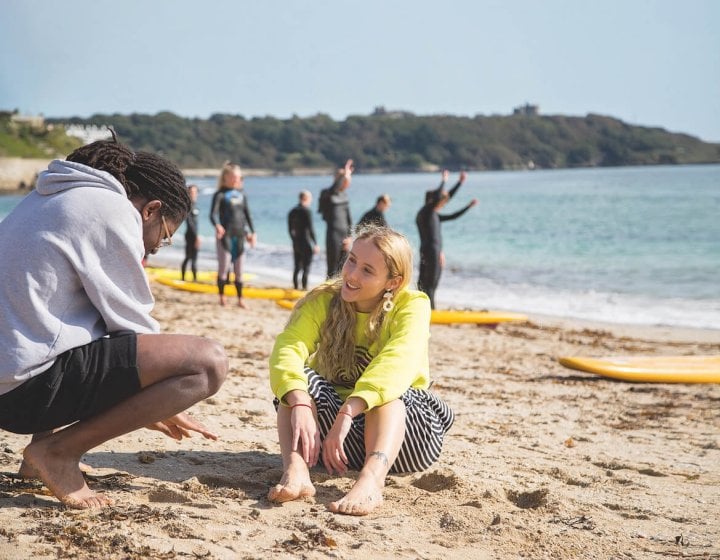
(294, 345)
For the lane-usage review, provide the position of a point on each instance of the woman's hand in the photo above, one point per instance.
(305, 433)
(219, 231)
(334, 457)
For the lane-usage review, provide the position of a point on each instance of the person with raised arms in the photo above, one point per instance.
(334, 207)
(428, 220)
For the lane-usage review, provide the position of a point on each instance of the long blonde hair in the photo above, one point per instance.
(228, 168)
(336, 350)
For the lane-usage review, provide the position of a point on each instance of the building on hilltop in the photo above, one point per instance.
(88, 133)
(33, 121)
(380, 111)
(527, 110)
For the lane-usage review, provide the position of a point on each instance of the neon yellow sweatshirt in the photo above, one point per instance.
(396, 361)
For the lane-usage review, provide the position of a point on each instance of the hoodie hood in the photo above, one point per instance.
(64, 175)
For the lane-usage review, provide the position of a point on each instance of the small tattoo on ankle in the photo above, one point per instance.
(380, 455)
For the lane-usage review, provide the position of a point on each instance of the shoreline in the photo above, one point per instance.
(658, 332)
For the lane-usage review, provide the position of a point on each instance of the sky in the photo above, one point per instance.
(646, 62)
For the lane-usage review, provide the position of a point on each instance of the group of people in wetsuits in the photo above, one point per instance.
(334, 207)
(230, 215)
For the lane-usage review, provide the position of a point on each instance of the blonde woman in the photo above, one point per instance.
(230, 214)
(350, 375)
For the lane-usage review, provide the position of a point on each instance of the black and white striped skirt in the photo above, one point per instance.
(428, 418)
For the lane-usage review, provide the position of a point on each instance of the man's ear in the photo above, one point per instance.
(150, 208)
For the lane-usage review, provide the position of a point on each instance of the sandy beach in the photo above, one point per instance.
(543, 462)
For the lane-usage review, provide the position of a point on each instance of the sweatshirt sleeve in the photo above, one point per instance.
(294, 345)
(403, 360)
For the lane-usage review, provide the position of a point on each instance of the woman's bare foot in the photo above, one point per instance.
(292, 486)
(241, 304)
(62, 476)
(223, 300)
(364, 497)
(27, 472)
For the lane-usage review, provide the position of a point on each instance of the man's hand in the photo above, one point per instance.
(180, 426)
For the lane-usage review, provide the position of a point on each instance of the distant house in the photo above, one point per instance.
(88, 132)
(380, 111)
(33, 121)
(527, 110)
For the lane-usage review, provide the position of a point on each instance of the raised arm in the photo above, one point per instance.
(455, 215)
(461, 180)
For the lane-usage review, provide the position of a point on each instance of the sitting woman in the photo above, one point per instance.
(350, 375)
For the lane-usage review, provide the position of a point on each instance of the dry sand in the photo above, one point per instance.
(543, 462)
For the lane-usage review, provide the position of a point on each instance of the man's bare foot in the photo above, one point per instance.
(364, 497)
(27, 472)
(223, 300)
(241, 304)
(62, 476)
(291, 488)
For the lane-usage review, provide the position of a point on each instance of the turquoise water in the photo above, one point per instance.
(630, 245)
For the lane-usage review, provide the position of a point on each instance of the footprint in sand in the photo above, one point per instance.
(528, 500)
(437, 481)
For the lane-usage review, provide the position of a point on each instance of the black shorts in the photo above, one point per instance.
(80, 384)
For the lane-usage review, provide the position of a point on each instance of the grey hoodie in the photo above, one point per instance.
(71, 271)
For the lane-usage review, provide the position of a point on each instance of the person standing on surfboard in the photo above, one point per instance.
(432, 258)
(230, 214)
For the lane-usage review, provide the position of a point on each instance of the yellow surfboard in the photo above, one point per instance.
(650, 369)
(446, 316)
(203, 276)
(248, 291)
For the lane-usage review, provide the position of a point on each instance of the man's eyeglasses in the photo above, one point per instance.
(167, 240)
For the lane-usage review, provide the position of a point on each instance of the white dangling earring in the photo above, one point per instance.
(388, 303)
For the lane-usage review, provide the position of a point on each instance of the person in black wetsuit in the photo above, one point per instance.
(230, 214)
(334, 206)
(376, 215)
(432, 258)
(302, 233)
(192, 240)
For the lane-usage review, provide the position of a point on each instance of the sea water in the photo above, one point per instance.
(635, 245)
